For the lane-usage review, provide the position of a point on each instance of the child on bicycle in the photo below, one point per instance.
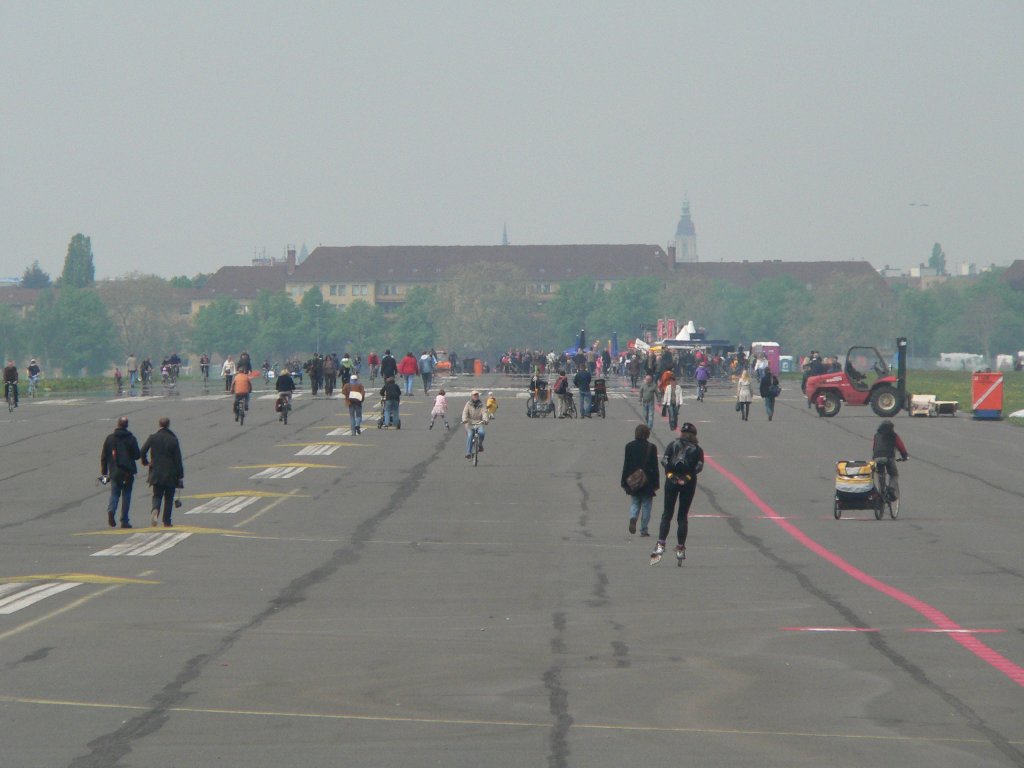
(492, 405)
(885, 445)
(440, 409)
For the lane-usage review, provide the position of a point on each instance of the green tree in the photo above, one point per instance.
(222, 328)
(576, 303)
(79, 271)
(12, 340)
(415, 325)
(146, 314)
(993, 317)
(938, 260)
(35, 277)
(278, 327)
(629, 304)
(361, 329)
(73, 330)
(318, 317)
(487, 308)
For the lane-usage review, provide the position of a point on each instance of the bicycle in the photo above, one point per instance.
(474, 450)
(702, 388)
(239, 409)
(286, 406)
(10, 398)
(888, 488)
(33, 385)
(569, 407)
(205, 370)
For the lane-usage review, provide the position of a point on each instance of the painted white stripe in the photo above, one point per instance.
(13, 586)
(997, 383)
(144, 544)
(277, 473)
(227, 505)
(340, 432)
(34, 594)
(317, 450)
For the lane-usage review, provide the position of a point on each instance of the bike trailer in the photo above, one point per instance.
(854, 480)
(600, 390)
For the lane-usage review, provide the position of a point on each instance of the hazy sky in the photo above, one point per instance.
(181, 136)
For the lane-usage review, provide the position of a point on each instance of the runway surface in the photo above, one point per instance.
(326, 599)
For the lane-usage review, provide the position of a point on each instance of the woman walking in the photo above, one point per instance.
(671, 400)
(640, 478)
(769, 390)
(744, 394)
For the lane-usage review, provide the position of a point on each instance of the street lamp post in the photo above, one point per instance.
(317, 328)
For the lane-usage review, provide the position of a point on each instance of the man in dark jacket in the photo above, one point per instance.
(582, 381)
(641, 455)
(392, 394)
(117, 464)
(162, 454)
(388, 365)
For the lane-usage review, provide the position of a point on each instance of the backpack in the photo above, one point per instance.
(682, 458)
(561, 386)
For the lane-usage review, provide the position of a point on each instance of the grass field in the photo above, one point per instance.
(956, 385)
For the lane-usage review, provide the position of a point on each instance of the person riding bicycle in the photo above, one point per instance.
(285, 386)
(702, 374)
(204, 366)
(885, 445)
(241, 387)
(474, 414)
(11, 381)
(34, 374)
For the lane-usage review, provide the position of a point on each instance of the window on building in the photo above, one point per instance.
(359, 290)
(334, 290)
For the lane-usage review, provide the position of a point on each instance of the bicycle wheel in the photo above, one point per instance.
(894, 504)
(880, 498)
(476, 448)
(602, 409)
(284, 412)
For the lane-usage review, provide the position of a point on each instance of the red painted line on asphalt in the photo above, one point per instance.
(828, 629)
(940, 620)
(962, 631)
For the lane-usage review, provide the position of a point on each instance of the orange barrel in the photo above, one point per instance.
(478, 367)
(987, 395)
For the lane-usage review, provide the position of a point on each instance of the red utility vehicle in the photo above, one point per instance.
(864, 380)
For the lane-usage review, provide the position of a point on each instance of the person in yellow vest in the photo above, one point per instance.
(492, 404)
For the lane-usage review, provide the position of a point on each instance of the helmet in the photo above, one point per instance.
(688, 427)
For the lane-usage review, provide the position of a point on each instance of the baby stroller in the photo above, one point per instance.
(855, 488)
(600, 398)
(540, 403)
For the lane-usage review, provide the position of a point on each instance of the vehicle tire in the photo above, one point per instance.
(885, 401)
(836, 509)
(831, 405)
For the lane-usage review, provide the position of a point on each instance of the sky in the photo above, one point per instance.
(183, 136)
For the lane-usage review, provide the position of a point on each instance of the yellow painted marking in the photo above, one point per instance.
(291, 464)
(459, 721)
(63, 609)
(176, 529)
(224, 494)
(85, 578)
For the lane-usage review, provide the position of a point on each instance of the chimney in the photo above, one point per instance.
(291, 259)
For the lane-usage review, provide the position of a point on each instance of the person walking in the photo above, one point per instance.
(354, 393)
(388, 366)
(117, 464)
(392, 394)
(769, 390)
(640, 477)
(744, 394)
(671, 399)
(228, 372)
(408, 367)
(648, 396)
(683, 461)
(582, 381)
(162, 454)
(330, 375)
(426, 366)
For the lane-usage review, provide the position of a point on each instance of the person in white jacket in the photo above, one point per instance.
(228, 372)
(671, 399)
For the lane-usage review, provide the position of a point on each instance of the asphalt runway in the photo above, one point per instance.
(331, 600)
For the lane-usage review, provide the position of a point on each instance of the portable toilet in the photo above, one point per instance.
(987, 394)
(786, 363)
(771, 350)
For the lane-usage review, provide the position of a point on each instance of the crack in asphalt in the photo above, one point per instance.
(106, 751)
(558, 698)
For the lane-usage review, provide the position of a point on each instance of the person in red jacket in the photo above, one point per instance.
(408, 367)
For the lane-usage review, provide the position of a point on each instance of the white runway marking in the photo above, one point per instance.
(225, 505)
(317, 450)
(277, 473)
(340, 432)
(15, 596)
(143, 545)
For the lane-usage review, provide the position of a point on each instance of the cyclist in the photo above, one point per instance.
(11, 381)
(474, 414)
(204, 367)
(884, 446)
(34, 374)
(241, 387)
(285, 386)
(702, 375)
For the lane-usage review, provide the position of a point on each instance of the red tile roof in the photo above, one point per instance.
(244, 282)
(745, 274)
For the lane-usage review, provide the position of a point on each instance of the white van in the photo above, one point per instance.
(960, 361)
